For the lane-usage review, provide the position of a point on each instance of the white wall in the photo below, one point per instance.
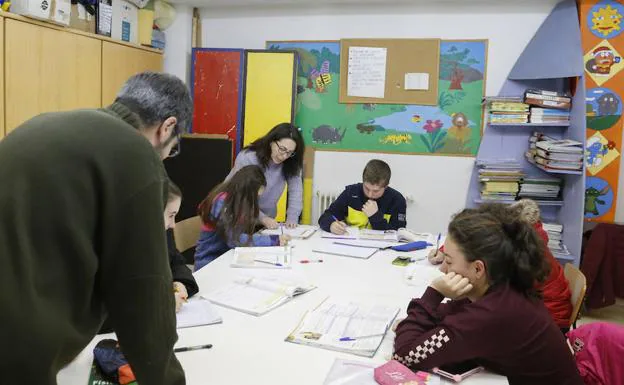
(438, 184)
(177, 57)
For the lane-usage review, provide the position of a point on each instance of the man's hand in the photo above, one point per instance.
(269, 223)
(452, 285)
(370, 208)
(180, 294)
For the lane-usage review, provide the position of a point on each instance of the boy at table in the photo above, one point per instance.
(370, 204)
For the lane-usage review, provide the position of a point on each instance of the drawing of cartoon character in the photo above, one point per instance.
(595, 152)
(591, 199)
(608, 104)
(604, 58)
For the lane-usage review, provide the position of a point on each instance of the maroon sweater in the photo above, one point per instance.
(503, 331)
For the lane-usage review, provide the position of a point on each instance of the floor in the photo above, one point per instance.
(614, 313)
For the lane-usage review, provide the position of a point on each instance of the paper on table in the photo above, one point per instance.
(197, 311)
(347, 372)
(366, 72)
(301, 231)
(271, 257)
(352, 233)
(346, 251)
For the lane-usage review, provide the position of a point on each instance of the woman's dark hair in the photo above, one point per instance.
(240, 208)
(508, 246)
(262, 147)
(173, 191)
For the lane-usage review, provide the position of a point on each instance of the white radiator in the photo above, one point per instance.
(323, 200)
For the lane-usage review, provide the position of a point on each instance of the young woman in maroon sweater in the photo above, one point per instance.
(495, 317)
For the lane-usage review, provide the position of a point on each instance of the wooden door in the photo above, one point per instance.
(47, 69)
(120, 62)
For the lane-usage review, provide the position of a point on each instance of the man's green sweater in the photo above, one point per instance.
(82, 236)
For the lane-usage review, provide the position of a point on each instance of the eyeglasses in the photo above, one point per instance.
(284, 151)
(176, 149)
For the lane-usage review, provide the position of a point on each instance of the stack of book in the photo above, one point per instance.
(505, 109)
(552, 154)
(549, 116)
(499, 180)
(555, 244)
(547, 99)
(540, 189)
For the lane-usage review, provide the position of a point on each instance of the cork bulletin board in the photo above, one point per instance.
(403, 56)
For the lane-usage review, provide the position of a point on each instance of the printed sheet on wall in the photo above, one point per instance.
(452, 127)
(603, 44)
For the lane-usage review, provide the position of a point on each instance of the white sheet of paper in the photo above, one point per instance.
(366, 72)
(417, 81)
(197, 311)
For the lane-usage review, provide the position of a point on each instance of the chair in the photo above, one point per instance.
(578, 286)
(186, 233)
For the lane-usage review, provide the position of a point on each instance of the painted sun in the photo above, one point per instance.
(606, 20)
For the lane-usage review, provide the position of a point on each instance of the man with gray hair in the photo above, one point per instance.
(82, 233)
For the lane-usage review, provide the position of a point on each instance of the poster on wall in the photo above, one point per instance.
(452, 127)
(603, 44)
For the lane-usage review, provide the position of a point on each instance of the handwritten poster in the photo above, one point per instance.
(367, 72)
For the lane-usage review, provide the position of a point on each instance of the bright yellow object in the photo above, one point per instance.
(268, 99)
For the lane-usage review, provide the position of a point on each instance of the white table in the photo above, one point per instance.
(252, 350)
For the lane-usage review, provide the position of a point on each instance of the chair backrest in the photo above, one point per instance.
(578, 286)
(186, 233)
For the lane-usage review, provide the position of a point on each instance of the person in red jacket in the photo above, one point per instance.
(495, 317)
(555, 289)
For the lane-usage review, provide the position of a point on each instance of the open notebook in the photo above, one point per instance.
(197, 311)
(401, 235)
(258, 294)
(271, 257)
(345, 327)
(299, 232)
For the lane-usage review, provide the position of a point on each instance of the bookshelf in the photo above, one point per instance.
(533, 125)
(551, 61)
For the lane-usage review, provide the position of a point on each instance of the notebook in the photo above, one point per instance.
(299, 232)
(259, 293)
(345, 326)
(352, 233)
(421, 273)
(361, 252)
(271, 257)
(197, 311)
(347, 372)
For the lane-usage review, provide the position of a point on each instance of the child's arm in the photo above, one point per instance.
(179, 271)
(336, 211)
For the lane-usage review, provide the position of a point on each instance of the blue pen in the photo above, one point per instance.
(360, 337)
(438, 242)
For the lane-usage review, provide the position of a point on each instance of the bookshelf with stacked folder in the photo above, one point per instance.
(534, 138)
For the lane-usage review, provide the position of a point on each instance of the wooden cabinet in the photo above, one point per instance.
(48, 70)
(119, 62)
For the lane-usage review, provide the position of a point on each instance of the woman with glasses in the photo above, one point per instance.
(280, 155)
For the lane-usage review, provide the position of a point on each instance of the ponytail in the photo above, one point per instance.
(508, 246)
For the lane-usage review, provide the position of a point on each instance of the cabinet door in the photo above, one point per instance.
(47, 69)
(120, 62)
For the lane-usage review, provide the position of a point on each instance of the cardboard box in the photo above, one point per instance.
(56, 11)
(103, 17)
(81, 19)
(125, 23)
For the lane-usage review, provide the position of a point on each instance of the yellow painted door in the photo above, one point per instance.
(120, 62)
(47, 69)
(269, 87)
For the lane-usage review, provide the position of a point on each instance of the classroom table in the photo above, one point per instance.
(251, 350)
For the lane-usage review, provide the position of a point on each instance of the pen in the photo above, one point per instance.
(360, 337)
(438, 242)
(282, 229)
(191, 348)
(270, 263)
(309, 261)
